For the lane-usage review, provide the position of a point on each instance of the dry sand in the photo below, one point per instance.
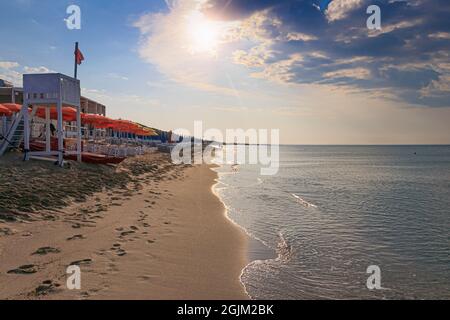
(156, 232)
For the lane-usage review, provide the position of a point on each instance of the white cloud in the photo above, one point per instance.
(117, 76)
(355, 73)
(40, 69)
(395, 26)
(255, 57)
(339, 9)
(167, 43)
(112, 98)
(440, 35)
(298, 36)
(8, 64)
(8, 73)
(280, 71)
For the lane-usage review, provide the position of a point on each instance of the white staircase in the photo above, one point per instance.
(14, 135)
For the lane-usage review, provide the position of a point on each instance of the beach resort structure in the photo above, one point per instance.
(92, 107)
(48, 118)
(9, 93)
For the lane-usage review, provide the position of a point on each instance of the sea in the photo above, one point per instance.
(344, 222)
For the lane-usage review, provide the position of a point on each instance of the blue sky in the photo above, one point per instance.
(320, 76)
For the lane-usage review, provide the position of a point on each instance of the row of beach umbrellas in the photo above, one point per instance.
(95, 120)
(7, 109)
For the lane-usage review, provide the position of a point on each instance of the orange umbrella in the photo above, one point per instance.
(69, 113)
(96, 120)
(144, 133)
(13, 107)
(4, 111)
(124, 125)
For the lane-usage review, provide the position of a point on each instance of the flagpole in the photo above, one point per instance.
(76, 64)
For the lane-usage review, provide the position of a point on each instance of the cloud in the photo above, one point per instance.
(440, 35)
(339, 9)
(298, 36)
(255, 57)
(168, 43)
(8, 65)
(281, 71)
(40, 69)
(119, 99)
(395, 26)
(294, 43)
(117, 76)
(355, 73)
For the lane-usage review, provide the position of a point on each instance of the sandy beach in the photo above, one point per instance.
(146, 229)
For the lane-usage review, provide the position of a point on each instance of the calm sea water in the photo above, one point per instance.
(332, 211)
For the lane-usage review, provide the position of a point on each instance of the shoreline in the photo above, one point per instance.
(257, 250)
(170, 238)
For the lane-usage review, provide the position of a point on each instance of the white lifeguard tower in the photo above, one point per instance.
(49, 90)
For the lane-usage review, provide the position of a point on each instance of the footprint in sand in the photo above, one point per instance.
(25, 269)
(81, 262)
(76, 237)
(46, 250)
(121, 252)
(126, 233)
(47, 287)
(144, 278)
(112, 267)
(117, 248)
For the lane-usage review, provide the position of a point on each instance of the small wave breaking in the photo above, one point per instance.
(284, 250)
(303, 201)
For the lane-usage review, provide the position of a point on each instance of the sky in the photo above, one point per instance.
(310, 68)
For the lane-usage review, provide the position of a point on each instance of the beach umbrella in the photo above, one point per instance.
(124, 126)
(13, 107)
(69, 113)
(145, 132)
(96, 120)
(4, 111)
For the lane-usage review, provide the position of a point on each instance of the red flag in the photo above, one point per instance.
(79, 56)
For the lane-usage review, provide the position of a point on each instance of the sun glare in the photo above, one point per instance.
(203, 34)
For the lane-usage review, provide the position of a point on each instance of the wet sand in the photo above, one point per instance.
(161, 235)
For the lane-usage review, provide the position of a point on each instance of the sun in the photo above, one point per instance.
(203, 35)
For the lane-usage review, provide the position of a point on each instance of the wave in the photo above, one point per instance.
(303, 201)
(284, 250)
(258, 268)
